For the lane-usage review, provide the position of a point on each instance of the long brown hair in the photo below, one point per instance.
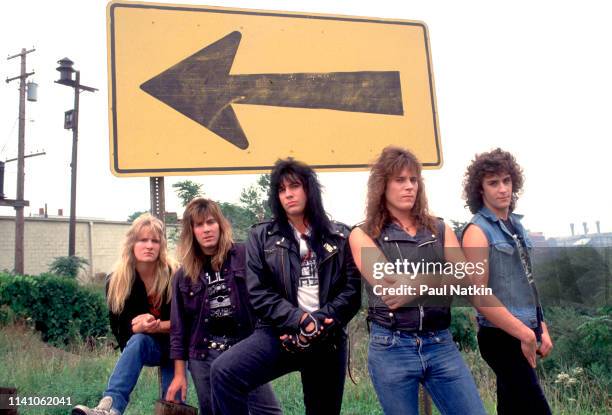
(190, 252)
(391, 162)
(122, 278)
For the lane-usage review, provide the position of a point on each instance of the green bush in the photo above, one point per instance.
(463, 328)
(57, 306)
(582, 338)
(68, 266)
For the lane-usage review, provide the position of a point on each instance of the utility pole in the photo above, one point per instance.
(73, 169)
(72, 122)
(19, 203)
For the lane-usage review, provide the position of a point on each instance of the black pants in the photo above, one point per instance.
(518, 389)
(260, 358)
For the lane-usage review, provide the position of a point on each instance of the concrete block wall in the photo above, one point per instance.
(98, 241)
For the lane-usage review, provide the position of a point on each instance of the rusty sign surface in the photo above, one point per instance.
(203, 89)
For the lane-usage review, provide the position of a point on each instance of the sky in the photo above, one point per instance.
(531, 77)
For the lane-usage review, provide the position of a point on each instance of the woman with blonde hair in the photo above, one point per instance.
(138, 293)
(211, 311)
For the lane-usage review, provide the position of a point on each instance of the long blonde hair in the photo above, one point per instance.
(122, 278)
(190, 252)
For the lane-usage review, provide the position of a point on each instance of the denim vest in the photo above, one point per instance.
(418, 315)
(507, 276)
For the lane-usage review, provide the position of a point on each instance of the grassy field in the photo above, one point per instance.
(37, 369)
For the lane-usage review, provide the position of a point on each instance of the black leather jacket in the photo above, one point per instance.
(426, 313)
(273, 268)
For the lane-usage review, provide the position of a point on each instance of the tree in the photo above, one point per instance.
(135, 215)
(575, 276)
(239, 219)
(253, 208)
(458, 228)
(187, 190)
(254, 199)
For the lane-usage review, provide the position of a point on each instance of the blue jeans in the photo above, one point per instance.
(261, 401)
(398, 361)
(141, 350)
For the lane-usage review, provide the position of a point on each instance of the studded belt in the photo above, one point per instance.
(219, 345)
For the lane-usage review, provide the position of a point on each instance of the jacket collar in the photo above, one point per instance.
(287, 237)
(393, 232)
(224, 268)
(274, 228)
(488, 214)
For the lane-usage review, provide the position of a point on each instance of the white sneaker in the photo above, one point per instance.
(104, 408)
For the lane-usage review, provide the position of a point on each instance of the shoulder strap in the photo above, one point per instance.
(441, 230)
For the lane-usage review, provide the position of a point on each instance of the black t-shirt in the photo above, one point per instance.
(509, 226)
(221, 313)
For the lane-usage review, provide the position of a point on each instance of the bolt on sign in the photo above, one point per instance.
(197, 89)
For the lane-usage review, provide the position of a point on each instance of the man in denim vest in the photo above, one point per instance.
(512, 332)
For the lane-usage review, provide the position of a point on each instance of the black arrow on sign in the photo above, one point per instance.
(201, 88)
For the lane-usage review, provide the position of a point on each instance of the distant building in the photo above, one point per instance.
(538, 239)
(595, 240)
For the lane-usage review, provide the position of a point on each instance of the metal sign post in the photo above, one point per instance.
(158, 202)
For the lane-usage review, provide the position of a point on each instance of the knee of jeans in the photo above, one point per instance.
(139, 340)
(219, 370)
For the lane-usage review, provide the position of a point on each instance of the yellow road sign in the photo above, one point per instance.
(197, 89)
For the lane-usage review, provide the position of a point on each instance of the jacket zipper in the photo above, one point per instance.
(282, 254)
(325, 259)
(421, 311)
(426, 243)
(421, 315)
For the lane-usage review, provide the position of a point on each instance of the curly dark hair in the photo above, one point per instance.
(296, 171)
(493, 162)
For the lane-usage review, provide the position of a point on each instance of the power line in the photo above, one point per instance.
(8, 137)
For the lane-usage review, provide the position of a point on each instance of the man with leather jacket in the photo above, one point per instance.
(304, 288)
